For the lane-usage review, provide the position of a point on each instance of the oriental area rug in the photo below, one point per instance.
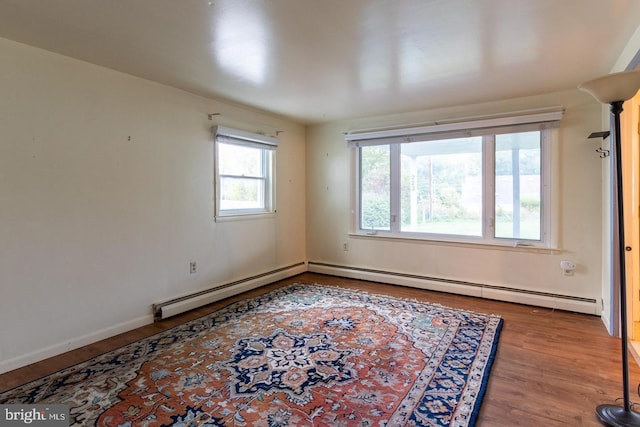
(302, 355)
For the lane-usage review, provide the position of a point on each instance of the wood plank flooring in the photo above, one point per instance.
(552, 367)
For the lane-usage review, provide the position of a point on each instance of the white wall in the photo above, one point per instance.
(330, 169)
(95, 227)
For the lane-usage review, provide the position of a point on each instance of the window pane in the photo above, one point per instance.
(375, 188)
(518, 189)
(239, 160)
(441, 188)
(241, 193)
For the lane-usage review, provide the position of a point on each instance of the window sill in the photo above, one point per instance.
(242, 217)
(459, 243)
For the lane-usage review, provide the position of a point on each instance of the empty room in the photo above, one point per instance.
(319, 212)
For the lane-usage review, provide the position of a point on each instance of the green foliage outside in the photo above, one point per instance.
(376, 212)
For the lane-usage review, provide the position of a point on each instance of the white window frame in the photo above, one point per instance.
(268, 146)
(544, 122)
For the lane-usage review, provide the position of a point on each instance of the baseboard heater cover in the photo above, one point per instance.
(163, 310)
(480, 290)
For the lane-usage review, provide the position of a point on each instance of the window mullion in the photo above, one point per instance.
(545, 187)
(358, 189)
(269, 179)
(395, 187)
(488, 186)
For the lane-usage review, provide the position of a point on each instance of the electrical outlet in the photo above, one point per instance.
(568, 267)
(193, 267)
(345, 246)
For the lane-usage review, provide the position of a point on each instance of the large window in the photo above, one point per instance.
(482, 184)
(244, 173)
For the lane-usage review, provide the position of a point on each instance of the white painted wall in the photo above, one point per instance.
(94, 228)
(330, 192)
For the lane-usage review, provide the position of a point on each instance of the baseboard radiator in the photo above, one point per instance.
(162, 310)
(480, 290)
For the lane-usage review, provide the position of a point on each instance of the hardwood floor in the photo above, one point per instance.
(552, 367)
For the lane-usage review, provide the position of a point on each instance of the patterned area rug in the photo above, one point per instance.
(303, 355)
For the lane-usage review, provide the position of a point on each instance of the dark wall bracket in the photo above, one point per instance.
(604, 135)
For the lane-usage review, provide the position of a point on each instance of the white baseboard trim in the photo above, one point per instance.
(606, 321)
(500, 293)
(223, 291)
(178, 305)
(169, 308)
(57, 349)
(634, 349)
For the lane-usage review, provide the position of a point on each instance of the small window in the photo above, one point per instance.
(473, 184)
(244, 173)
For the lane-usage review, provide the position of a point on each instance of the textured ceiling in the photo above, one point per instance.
(321, 60)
